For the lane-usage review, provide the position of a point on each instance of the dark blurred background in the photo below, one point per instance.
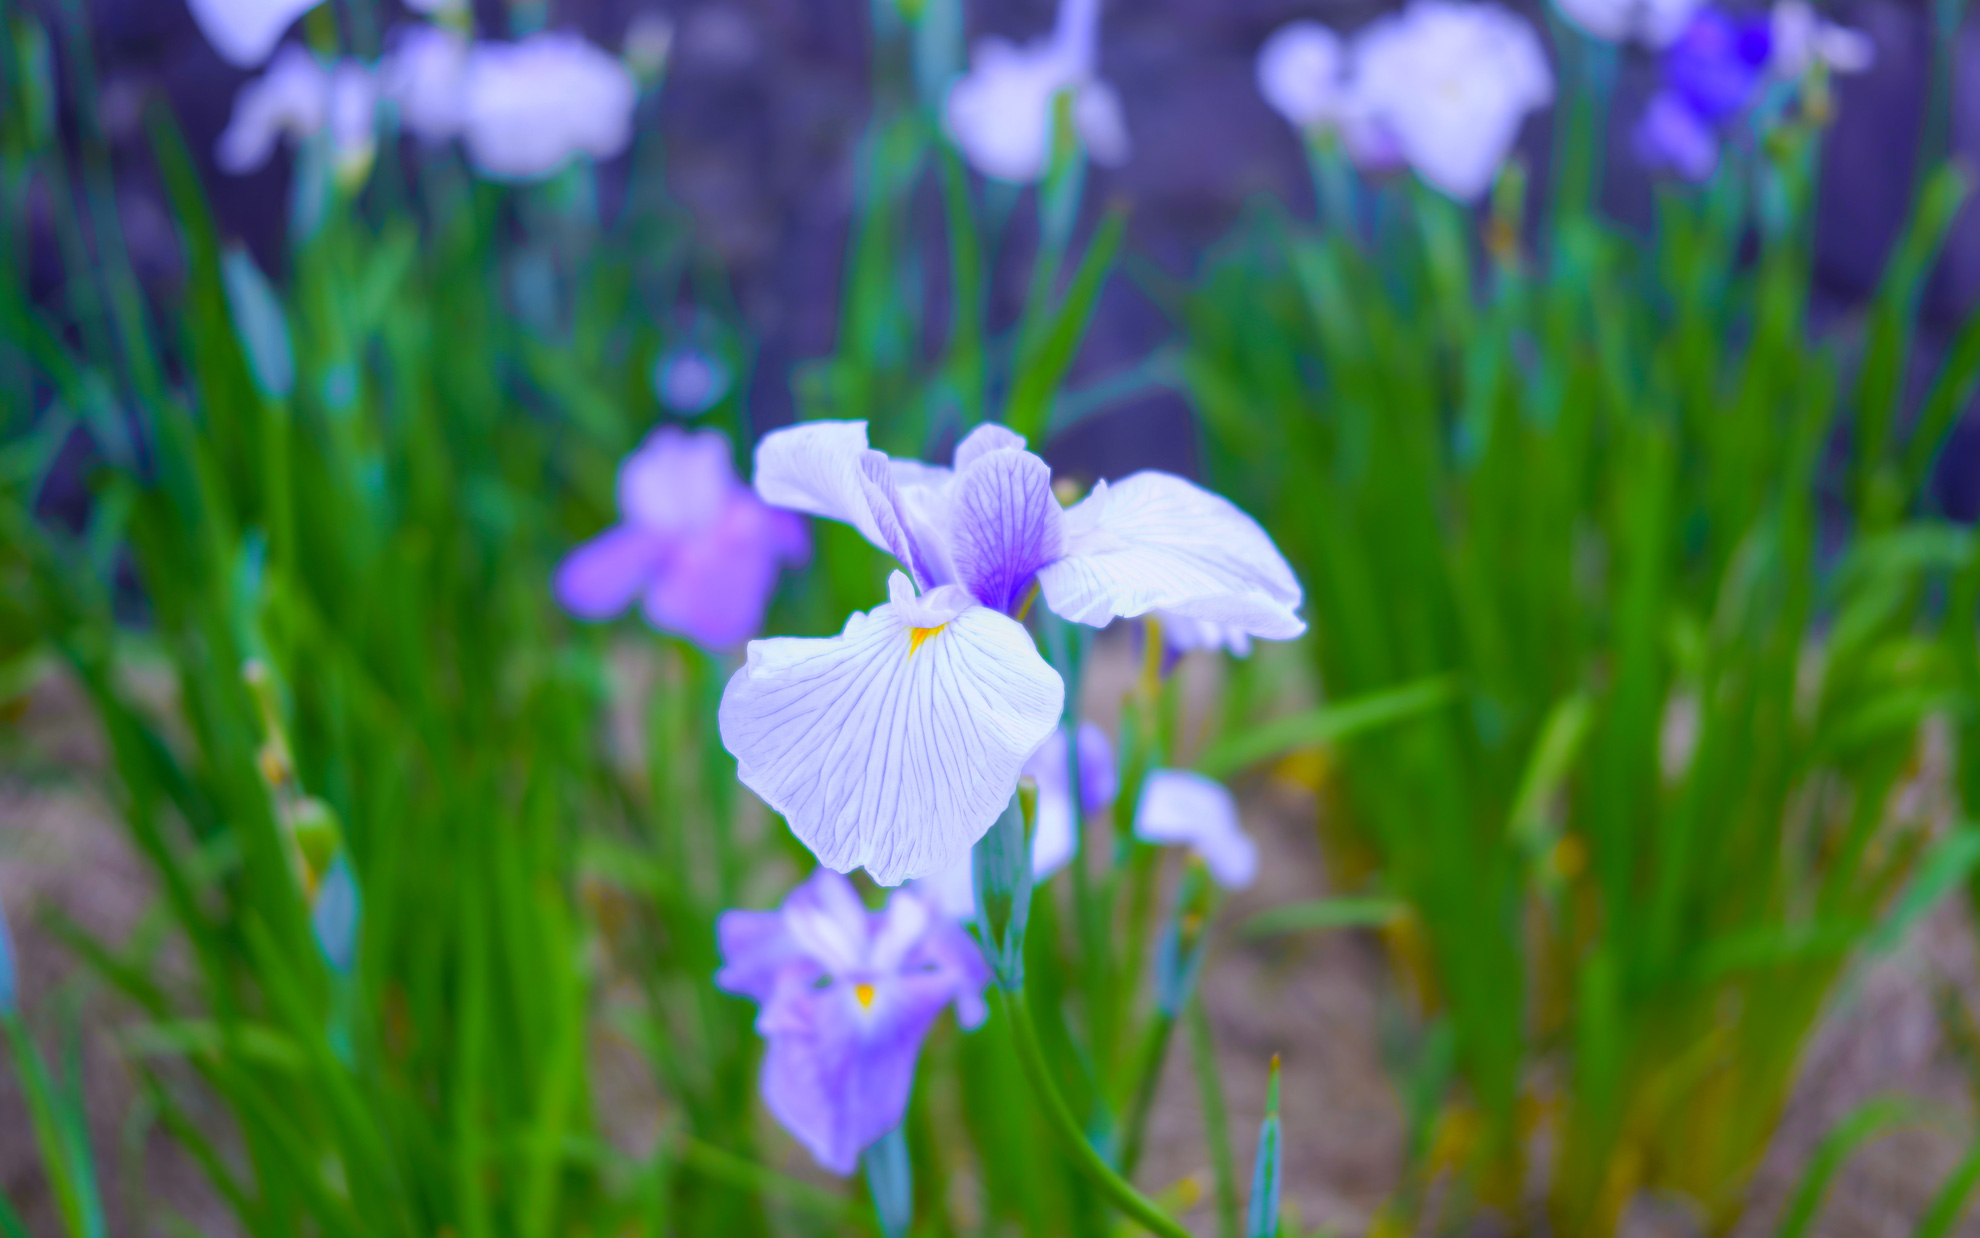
(765, 100)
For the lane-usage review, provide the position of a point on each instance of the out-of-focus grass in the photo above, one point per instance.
(1599, 488)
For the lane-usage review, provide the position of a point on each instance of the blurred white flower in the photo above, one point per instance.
(298, 98)
(1000, 114)
(529, 108)
(1801, 38)
(1451, 83)
(1302, 72)
(424, 75)
(1181, 808)
(244, 32)
(1651, 22)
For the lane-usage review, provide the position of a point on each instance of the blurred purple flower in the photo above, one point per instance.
(1712, 72)
(1055, 841)
(696, 546)
(847, 996)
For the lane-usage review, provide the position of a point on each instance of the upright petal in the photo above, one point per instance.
(889, 747)
(1300, 73)
(245, 31)
(603, 576)
(423, 75)
(985, 439)
(1004, 525)
(827, 921)
(677, 480)
(825, 468)
(1156, 542)
(1179, 807)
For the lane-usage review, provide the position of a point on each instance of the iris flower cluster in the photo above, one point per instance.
(896, 744)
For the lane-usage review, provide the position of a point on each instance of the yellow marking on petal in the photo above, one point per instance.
(917, 637)
(864, 992)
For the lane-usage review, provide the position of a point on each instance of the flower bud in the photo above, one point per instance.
(1179, 954)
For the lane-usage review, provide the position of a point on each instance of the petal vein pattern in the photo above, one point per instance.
(886, 760)
(1156, 542)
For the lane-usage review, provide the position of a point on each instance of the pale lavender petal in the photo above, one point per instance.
(756, 949)
(677, 480)
(956, 954)
(892, 518)
(1180, 807)
(423, 74)
(529, 108)
(953, 889)
(1056, 840)
(603, 576)
(1156, 542)
(1006, 525)
(886, 748)
(985, 439)
(898, 930)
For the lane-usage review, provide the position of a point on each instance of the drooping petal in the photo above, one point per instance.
(602, 577)
(1005, 525)
(834, 1094)
(1156, 542)
(244, 32)
(889, 747)
(1183, 634)
(1180, 807)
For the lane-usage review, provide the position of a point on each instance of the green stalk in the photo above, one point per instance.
(1132, 1203)
(1216, 1122)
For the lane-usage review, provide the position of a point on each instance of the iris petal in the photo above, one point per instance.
(1005, 525)
(883, 759)
(1184, 808)
(1156, 542)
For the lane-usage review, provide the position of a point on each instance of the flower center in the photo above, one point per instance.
(864, 992)
(920, 636)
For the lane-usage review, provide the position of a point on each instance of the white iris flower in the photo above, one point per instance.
(244, 32)
(1000, 114)
(894, 745)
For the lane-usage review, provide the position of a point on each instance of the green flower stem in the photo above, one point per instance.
(1132, 1203)
(1148, 1079)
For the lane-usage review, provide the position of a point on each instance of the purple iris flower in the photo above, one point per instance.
(847, 996)
(695, 545)
(894, 745)
(1712, 72)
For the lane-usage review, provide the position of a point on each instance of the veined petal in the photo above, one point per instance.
(813, 467)
(1156, 542)
(1180, 807)
(1004, 525)
(985, 439)
(886, 746)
